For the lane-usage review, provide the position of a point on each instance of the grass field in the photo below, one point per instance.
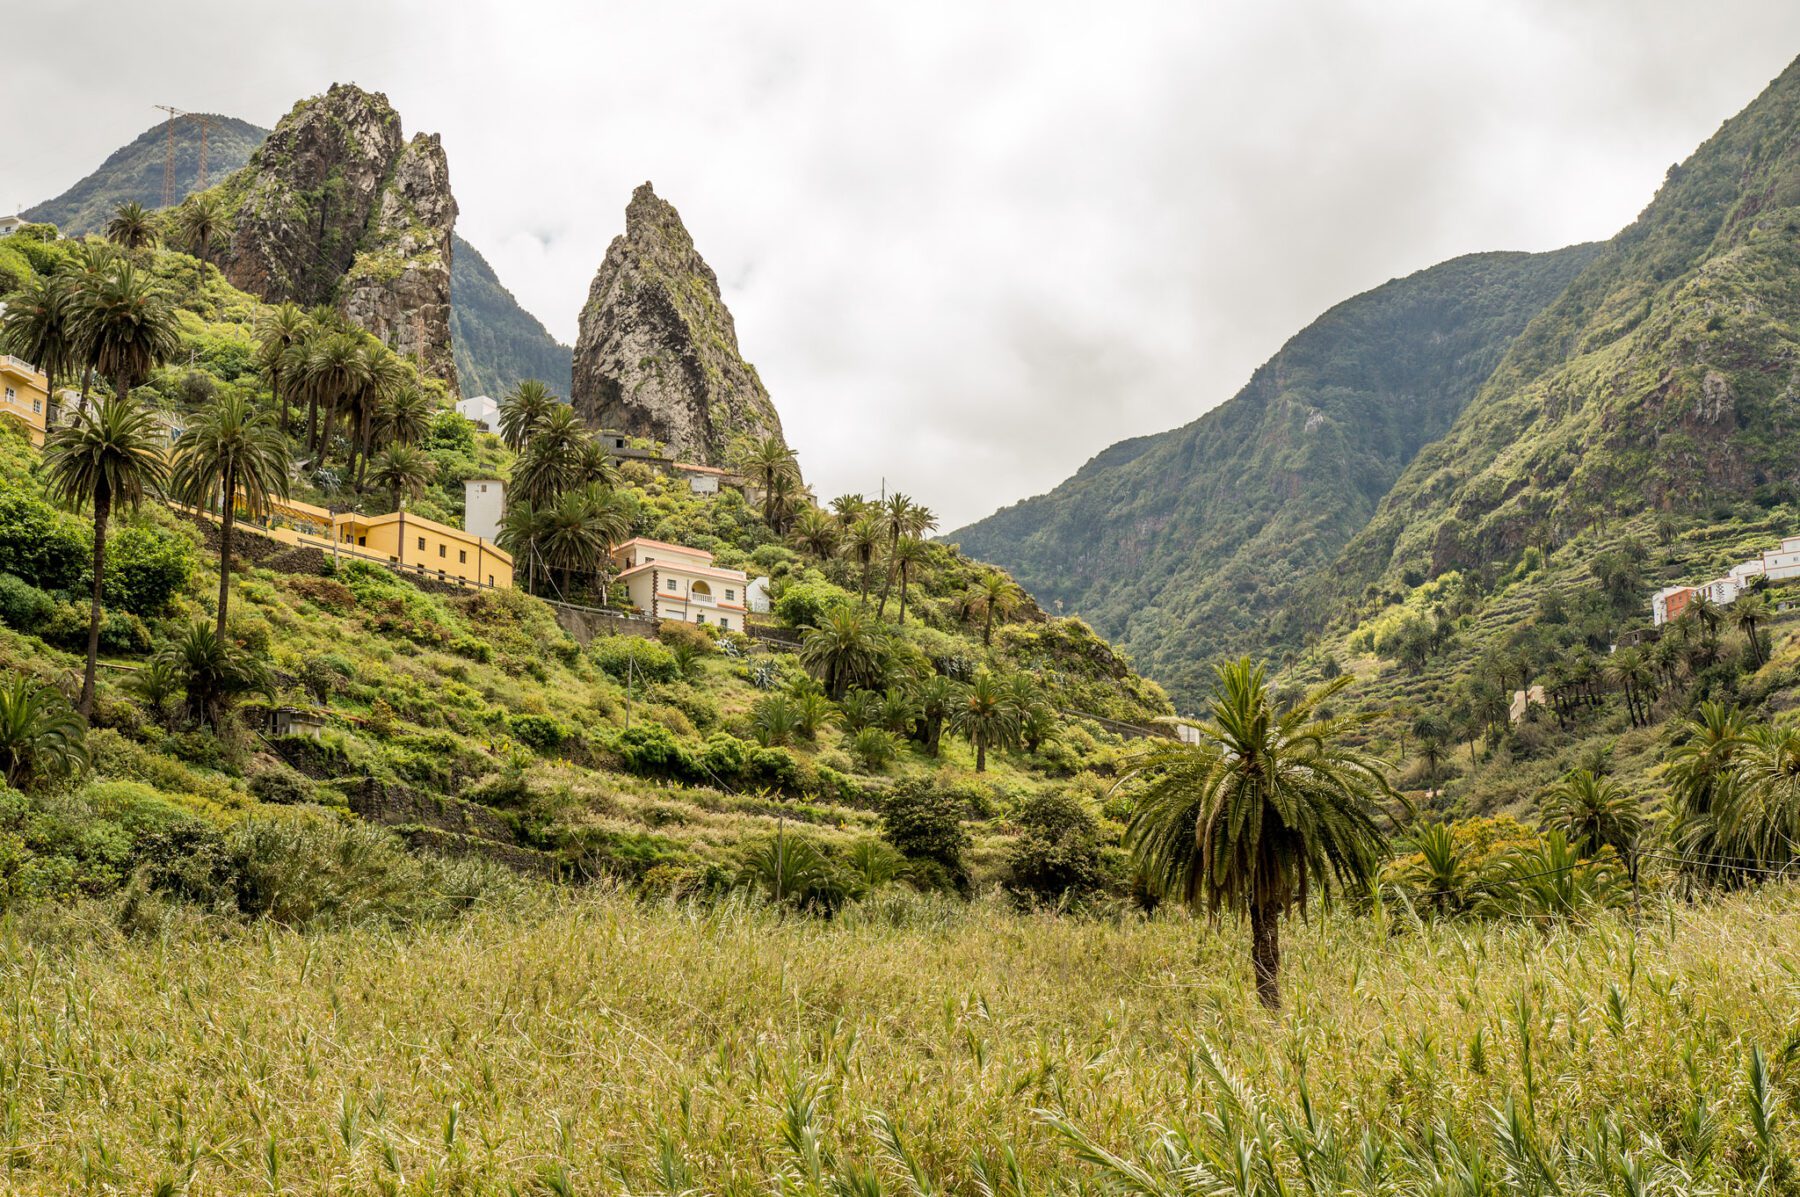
(602, 1045)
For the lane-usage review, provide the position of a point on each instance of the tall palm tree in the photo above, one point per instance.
(201, 221)
(995, 594)
(900, 518)
(772, 468)
(336, 368)
(385, 377)
(1706, 614)
(580, 531)
(404, 471)
(849, 508)
(523, 527)
(1700, 772)
(985, 717)
(551, 462)
(1757, 815)
(523, 410)
(281, 340)
(1628, 670)
(404, 417)
(131, 227)
(909, 554)
(1268, 805)
(111, 457)
(816, 532)
(937, 698)
(594, 466)
(39, 326)
(846, 650)
(1748, 614)
(1595, 812)
(126, 326)
(233, 453)
(39, 735)
(862, 541)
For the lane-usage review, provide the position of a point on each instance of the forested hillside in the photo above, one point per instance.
(1186, 546)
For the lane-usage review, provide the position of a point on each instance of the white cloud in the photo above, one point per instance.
(970, 245)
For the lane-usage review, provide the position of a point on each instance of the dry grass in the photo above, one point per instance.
(611, 1046)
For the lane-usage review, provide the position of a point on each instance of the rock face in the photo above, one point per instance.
(337, 207)
(658, 355)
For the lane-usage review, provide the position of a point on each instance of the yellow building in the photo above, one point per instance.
(426, 547)
(24, 394)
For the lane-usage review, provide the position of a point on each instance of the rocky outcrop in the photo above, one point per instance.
(336, 207)
(658, 353)
(399, 285)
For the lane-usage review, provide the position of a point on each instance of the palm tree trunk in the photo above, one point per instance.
(227, 512)
(102, 513)
(886, 588)
(981, 756)
(312, 426)
(987, 626)
(903, 598)
(1265, 954)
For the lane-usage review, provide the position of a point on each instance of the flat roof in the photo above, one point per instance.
(393, 517)
(663, 544)
(675, 567)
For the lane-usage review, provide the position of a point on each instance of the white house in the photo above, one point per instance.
(484, 503)
(701, 479)
(1744, 571)
(673, 581)
(481, 411)
(1783, 562)
(1670, 602)
(758, 594)
(11, 224)
(1721, 592)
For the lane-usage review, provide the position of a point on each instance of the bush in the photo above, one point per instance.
(924, 824)
(804, 604)
(41, 545)
(642, 660)
(1057, 855)
(675, 633)
(545, 735)
(651, 750)
(23, 606)
(873, 748)
(122, 632)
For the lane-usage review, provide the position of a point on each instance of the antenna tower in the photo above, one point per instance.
(169, 154)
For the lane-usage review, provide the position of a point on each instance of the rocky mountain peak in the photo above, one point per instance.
(338, 207)
(658, 352)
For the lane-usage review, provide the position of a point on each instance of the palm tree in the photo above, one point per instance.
(281, 338)
(523, 527)
(849, 508)
(405, 417)
(995, 594)
(1442, 870)
(404, 471)
(233, 453)
(1700, 772)
(125, 325)
(336, 368)
(769, 464)
(1628, 670)
(39, 326)
(985, 717)
(1035, 716)
(1707, 615)
(215, 671)
(1595, 812)
(580, 531)
(1749, 613)
(1269, 804)
(847, 649)
(523, 411)
(39, 735)
(816, 532)
(551, 461)
(386, 376)
(131, 227)
(861, 543)
(594, 466)
(909, 555)
(202, 220)
(111, 456)
(900, 518)
(1433, 735)
(937, 699)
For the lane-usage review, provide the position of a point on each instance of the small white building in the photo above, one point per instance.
(12, 224)
(758, 595)
(1783, 562)
(1669, 602)
(1742, 573)
(481, 411)
(1721, 592)
(484, 503)
(673, 581)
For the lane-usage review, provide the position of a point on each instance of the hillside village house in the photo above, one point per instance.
(24, 394)
(481, 411)
(672, 581)
(1775, 565)
(399, 539)
(12, 224)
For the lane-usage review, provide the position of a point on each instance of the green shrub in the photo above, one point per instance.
(22, 605)
(651, 750)
(1057, 854)
(641, 660)
(544, 734)
(924, 824)
(804, 604)
(45, 547)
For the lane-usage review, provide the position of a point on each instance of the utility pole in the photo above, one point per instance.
(169, 153)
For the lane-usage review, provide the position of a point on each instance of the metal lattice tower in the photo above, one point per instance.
(205, 122)
(169, 154)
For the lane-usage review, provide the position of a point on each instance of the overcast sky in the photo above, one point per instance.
(968, 245)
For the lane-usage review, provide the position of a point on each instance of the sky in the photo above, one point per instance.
(967, 245)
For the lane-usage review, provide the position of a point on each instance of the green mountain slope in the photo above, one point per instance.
(497, 342)
(1185, 545)
(1664, 378)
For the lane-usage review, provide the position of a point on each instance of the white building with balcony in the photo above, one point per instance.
(673, 581)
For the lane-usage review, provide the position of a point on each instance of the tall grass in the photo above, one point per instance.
(916, 1046)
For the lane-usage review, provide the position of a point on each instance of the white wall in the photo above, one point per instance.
(484, 502)
(481, 411)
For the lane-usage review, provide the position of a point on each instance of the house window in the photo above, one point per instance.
(443, 550)
(421, 542)
(490, 579)
(671, 583)
(700, 617)
(462, 556)
(724, 623)
(730, 595)
(12, 396)
(37, 406)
